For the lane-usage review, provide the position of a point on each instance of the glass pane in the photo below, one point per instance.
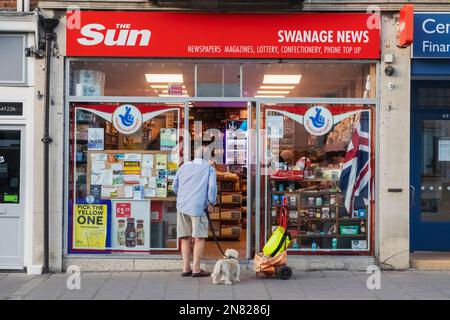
(150, 79)
(218, 80)
(322, 180)
(434, 96)
(12, 55)
(435, 201)
(9, 166)
(130, 172)
(330, 80)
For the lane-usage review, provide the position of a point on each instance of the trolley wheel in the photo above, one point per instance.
(284, 272)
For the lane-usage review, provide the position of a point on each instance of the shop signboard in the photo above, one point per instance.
(219, 35)
(431, 35)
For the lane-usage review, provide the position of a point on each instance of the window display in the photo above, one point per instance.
(125, 158)
(321, 174)
(317, 159)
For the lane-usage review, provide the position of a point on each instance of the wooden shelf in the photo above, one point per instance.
(301, 198)
(319, 207)
(172, 199)
(317, 219)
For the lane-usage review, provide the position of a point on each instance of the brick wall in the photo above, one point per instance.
(8, 4)
(12, 4)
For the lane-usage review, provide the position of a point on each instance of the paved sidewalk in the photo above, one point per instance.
(342, 285)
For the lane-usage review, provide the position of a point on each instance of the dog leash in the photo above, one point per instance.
(214, 234)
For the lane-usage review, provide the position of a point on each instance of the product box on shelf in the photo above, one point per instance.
(348, 230)
(230, 214)
(359, 244)
(231, 231)
(232, 198)
(88, 83)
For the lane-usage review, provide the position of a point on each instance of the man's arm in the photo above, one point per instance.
(212, 186)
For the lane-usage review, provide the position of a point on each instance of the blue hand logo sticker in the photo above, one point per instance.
(318, 120)
(127, 119)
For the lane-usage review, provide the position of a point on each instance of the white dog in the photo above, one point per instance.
(227, 270)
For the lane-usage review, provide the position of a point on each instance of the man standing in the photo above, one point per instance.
(196, 187)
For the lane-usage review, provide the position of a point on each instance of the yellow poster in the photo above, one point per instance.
(90, 223)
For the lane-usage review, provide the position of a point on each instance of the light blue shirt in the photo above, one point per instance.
(196, 186)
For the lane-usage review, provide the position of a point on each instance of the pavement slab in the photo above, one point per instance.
(169, 285)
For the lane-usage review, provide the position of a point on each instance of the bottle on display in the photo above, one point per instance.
(318, 201)
(295, 244)
(130, 234)
(121, 231)
(140, 239)
(313, 246)
(362, 227)
(334, 243)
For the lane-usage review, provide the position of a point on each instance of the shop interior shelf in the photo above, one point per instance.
(317, 219)
(172, 199)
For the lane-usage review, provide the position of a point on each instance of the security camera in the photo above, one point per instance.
(389, 70)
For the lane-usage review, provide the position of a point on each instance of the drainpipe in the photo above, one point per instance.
(48, 26)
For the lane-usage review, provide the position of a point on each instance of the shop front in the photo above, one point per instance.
(430, 135)
(286, 113)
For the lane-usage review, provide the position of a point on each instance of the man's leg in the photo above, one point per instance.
(199, 248)
(186, 253)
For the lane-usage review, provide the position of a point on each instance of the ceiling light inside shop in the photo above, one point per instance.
(282, 78)
(164, 77)
(272, 92)
(277, 87)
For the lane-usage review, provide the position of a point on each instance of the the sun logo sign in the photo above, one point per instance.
(123, 35)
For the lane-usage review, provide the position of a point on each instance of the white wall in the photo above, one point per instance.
(393, 154)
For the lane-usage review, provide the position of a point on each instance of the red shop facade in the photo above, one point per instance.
(286, 105)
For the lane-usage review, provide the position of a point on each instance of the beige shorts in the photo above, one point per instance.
(190, 226)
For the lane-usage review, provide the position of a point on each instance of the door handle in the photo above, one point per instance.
(412, 197)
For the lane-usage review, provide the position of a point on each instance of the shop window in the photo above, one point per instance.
(118, 78)
(218, 80)
(224, 79)
(123, 159)
(12, 62)
(318, 164)
(434, 96)
(327, 80)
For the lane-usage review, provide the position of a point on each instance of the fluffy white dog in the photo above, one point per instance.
(227, 270)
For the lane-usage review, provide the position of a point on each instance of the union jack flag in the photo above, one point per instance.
(355, 178)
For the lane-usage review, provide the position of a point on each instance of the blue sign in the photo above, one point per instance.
(431, 35)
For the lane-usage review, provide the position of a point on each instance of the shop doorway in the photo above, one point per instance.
(11, 197)
(430, 181)
(222, 129)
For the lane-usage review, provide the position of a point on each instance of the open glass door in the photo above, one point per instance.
(221, 130)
